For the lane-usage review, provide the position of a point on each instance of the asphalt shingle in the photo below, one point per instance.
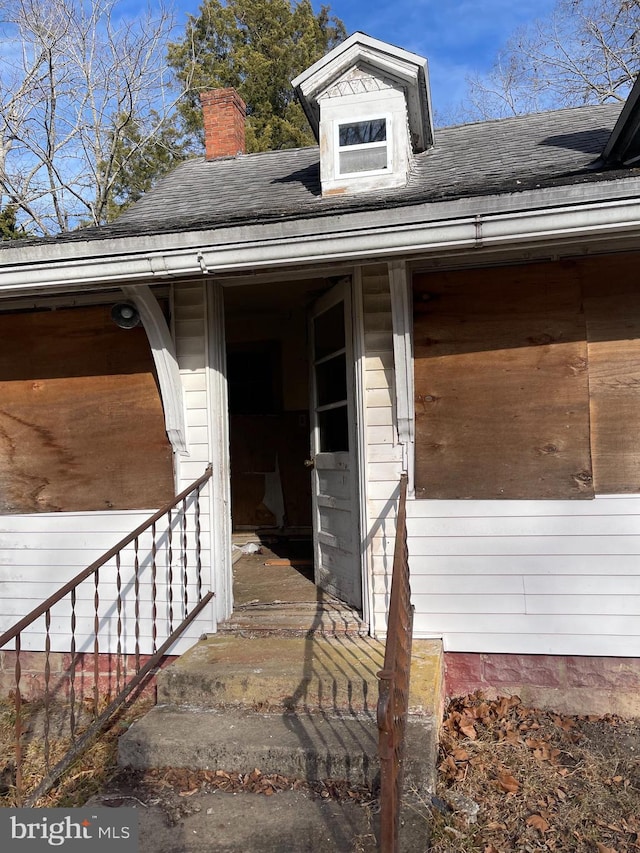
(508, 155)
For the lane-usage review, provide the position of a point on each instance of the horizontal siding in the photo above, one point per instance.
(529, 577)
(189, 320)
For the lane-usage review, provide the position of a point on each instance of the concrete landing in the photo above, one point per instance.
(332, 674)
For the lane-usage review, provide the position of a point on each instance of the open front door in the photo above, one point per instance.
(334, 476)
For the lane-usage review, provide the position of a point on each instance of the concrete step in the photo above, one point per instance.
(252, 823)
(302, 745)
(328, 674)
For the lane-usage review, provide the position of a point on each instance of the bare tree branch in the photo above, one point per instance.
(585, 51)
(75, 72)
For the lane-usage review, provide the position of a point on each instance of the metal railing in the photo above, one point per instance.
(165, 562)
(393, 702)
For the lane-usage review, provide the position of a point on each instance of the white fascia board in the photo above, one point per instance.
(497, 222)
(343, 55)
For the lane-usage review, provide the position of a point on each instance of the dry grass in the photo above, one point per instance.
(540, 781)
(89, 773)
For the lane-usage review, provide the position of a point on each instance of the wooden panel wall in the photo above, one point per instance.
(612, 309)
(81, 421)
(502, 405)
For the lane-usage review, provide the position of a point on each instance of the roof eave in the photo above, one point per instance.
(553, 215)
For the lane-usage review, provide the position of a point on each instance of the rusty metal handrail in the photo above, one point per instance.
(79, 740)
(393, 701)
(108, 555)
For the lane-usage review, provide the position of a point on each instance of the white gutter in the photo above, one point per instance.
(395, 237)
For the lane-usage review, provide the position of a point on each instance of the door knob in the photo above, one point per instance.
(309, 463)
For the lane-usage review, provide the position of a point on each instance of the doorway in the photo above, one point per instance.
(276, 467)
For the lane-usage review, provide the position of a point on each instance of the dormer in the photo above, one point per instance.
(369, 107)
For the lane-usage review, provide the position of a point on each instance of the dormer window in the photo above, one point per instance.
(368, 105)
(362, 146)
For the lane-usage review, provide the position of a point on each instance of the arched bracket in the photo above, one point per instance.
(166, 362)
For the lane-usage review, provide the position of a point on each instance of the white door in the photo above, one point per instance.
(334, 475)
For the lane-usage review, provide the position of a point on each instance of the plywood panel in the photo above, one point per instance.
(501, 384)
(612, 309)
(81, 421)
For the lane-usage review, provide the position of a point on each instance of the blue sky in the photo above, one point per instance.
(458, 37)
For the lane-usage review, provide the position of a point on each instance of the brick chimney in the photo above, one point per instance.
(223, 112)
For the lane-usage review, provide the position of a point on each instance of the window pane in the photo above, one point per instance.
(363, 160)
(331, 380)
(363, 132)
(334, 430)
(329, 331)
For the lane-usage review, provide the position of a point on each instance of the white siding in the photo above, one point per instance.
(40, 552)
(537, 577)
(382, 452)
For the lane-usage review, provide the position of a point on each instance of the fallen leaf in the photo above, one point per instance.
(461, 754)
(602, 848)
(507, 782)
(539, 823)
(468, 730)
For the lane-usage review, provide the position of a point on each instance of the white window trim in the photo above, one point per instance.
(365, 146)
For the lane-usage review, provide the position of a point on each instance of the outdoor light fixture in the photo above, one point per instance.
(125, 315)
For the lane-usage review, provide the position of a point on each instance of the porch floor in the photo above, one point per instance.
(281, 596)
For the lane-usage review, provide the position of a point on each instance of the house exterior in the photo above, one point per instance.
(460, 305)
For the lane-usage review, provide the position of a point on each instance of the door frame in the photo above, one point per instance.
(219, 427)
(360, 411)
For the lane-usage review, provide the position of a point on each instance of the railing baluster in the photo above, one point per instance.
(136, 584)
(77, 649)
(72, 667)
(154, 589)
(47, 692)
(185, 573)
(198, 546)
(119, 674)
(96, 641)
(17, 704)
(170, 566)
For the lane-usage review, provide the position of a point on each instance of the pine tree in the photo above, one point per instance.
(256, 46)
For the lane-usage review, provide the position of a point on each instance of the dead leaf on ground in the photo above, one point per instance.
(507, 782)
(468, 729)
(539, 823)
(602, 848)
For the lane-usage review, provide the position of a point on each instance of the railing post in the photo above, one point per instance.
(394, 679)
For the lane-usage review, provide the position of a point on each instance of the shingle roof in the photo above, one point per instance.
(558, 148)
(485, 158)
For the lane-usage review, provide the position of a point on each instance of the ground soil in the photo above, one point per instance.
(513, 779)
